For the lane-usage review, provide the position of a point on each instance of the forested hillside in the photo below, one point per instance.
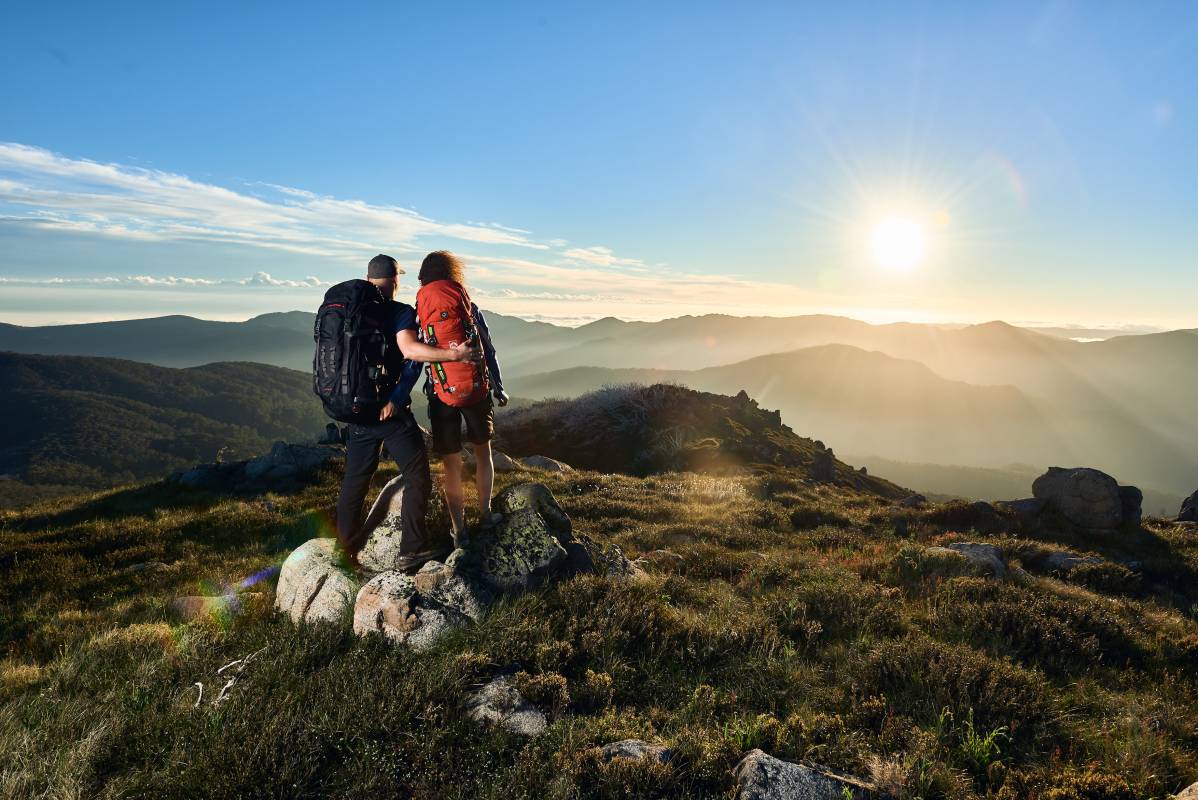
(95, 422)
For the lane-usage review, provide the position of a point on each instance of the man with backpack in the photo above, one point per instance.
(364, 371)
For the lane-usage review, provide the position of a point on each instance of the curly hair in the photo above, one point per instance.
(442, 265)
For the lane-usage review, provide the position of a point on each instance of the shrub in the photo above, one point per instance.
(921, 677)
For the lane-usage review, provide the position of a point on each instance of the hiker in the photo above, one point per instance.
(364, 374)
(459, 392)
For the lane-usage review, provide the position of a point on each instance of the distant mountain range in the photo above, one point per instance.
(972, 395)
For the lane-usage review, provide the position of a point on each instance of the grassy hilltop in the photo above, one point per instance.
(801, 617)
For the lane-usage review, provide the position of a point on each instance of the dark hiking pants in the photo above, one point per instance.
(405, 444)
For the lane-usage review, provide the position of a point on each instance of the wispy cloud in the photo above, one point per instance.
(259, 279)
(117, 200)
(600, 256)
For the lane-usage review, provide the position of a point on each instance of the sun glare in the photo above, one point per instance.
(898, 243)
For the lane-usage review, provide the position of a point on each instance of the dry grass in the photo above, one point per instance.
(789, 617)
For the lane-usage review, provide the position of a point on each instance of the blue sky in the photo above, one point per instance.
(639, 160)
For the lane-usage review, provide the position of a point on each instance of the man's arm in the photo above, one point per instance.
(414, 350)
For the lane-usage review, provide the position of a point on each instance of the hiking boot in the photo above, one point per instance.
(410, 563)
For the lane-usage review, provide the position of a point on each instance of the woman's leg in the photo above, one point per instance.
(484, 479)
(455, 496)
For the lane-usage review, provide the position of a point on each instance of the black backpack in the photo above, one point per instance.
(357, 361)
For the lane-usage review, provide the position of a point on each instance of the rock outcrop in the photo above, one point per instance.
(762, 777)
(1189, 509)
(286, 466)
(1088, 497)
(531, 544)
(314, 586)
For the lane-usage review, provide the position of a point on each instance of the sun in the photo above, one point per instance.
(898, 243)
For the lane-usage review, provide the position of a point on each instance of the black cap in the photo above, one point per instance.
(382, 266)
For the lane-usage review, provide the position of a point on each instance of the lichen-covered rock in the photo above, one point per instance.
(500, 703)
(391, 604)
(1086, 497)
(518, 553)
(636, 750)
(538, 498)
(313, 586)
(762, 777)
(985, 558)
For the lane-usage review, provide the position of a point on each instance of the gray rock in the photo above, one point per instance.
(196, 607)
(312, 586)
(1189, 509)
(637, 750)
(499, 703)
(763, 777)
(985, 557)
(913, 501)
(501, 462)
(1086, 497)
(546, 463)
(391, 604)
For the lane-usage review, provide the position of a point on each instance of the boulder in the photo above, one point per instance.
(1189, 509)
(636, 750)
(537, 497)
(762, 777)
(313, 586)
(1086, 497)
(1191, 791)
(985, 557)
(289, 460)
(283, 467)
(392, 604)
(546, 463)
(500, 703)
(518, 553)
(1132, 502)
